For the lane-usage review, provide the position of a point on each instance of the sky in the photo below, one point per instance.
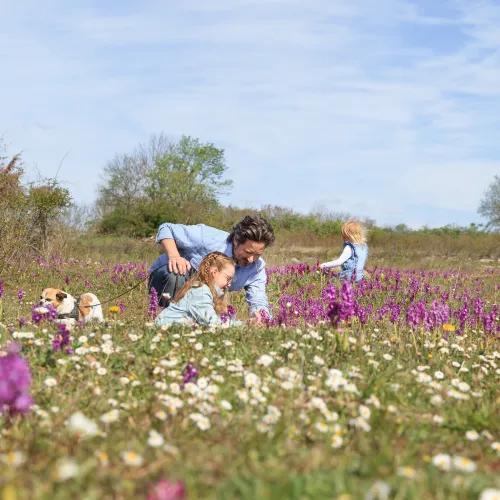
(386, 109)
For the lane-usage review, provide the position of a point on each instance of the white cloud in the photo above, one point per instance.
(326, 99)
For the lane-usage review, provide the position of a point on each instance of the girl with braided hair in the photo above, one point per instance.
(202, 299)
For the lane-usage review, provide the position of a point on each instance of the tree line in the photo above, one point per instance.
(182, 181)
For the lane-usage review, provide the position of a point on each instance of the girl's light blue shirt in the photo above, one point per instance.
(196, 307)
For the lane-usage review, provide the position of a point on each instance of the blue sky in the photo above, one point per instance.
(387, 109)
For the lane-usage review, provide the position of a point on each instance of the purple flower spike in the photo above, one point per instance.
(342, 310)
(189, 374)
(61, 339)
(15, 381)
(43, 313)
(153, 303)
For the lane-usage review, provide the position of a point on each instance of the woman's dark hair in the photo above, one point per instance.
(254, 228)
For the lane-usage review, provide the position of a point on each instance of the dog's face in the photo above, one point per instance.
(52, 296)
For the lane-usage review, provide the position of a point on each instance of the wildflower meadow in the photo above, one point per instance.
(383, 389)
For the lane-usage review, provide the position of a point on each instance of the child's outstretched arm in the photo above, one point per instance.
(345, 255)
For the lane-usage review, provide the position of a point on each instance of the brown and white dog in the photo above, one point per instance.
(71, 310)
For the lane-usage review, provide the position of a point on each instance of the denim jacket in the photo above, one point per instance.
(356, 262)
(196, 307)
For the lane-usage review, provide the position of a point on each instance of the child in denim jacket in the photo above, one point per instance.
(353, 258)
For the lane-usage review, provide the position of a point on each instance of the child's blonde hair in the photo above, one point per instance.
(203, 277)
(354, 232)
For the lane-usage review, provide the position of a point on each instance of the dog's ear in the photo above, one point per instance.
(61, 296)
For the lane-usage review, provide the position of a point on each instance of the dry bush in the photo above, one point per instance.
(27, 213)
(15, 226)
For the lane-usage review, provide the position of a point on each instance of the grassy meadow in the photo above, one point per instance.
(400, 401)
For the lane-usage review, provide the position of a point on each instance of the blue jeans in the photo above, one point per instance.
(163, 281)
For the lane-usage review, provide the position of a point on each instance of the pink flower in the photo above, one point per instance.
(165, 490)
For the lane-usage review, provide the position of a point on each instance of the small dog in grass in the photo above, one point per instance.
(85, 308)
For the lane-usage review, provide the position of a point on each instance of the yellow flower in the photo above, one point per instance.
(429, 356)
(103, 457)
(114, 309)
(9, 493)
(448, 327)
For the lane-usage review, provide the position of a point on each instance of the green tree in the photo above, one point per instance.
(489, 207)
(162, 180)
(190, 173)
(402, 228)
(125, 177)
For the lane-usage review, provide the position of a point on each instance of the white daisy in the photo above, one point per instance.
(110, 416)
(80, 424)
(464, 464)
(155, 439)
(131, 458)
(50, 382)
(66, 468)
(442, 461)
(337, 441)
(472, 435)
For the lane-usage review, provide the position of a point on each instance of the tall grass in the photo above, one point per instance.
(403, 250)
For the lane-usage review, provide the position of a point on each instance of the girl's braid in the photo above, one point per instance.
(208, 262)
(202, 276)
